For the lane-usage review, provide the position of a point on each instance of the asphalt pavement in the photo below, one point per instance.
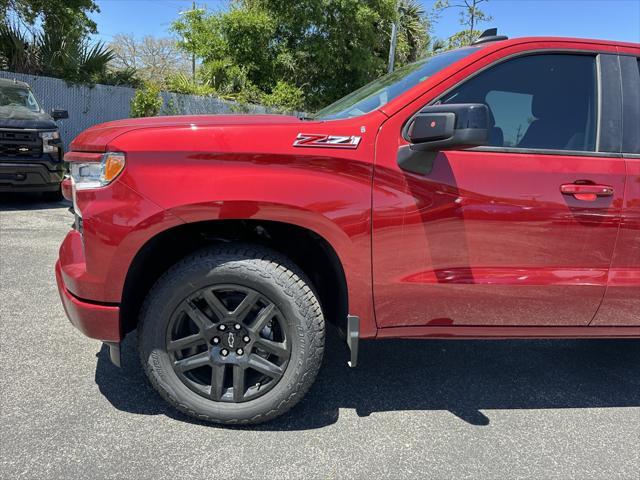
(412, 409)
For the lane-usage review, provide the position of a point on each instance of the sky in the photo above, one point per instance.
(606, 19)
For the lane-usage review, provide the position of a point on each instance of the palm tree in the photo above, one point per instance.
(53, 53)
(413, 26)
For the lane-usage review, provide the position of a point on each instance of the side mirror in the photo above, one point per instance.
(59, 114)
(448, 127)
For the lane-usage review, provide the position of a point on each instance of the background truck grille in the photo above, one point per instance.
(17, 144)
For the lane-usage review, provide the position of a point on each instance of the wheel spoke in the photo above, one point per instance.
(262, 319)
(245, 306)
(265, 366)
(195, 361)
(217, 381)
(276, 348)
(199, 318)
(186, 342)
(238, 383)
(216, 305)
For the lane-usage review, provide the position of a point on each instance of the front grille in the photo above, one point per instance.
(20, 144)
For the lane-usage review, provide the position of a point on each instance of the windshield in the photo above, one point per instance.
(16, 96)
(386, 88)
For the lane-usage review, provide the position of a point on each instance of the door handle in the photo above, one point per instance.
(586, 192)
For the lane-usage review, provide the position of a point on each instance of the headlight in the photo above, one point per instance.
(87, 175)
(50, 141)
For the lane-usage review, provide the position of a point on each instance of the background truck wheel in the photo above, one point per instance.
(232, 334)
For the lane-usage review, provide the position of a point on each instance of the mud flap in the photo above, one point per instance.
(353, 335)
(114, 353)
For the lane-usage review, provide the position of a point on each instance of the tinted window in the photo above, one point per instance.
(537, 101)
(16, 96)
(630, 70)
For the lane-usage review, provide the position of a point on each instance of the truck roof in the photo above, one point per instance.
(517, 40)
(6, 82)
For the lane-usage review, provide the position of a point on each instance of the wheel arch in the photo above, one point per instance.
(310, 250)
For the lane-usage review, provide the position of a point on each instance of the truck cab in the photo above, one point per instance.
(31, 152)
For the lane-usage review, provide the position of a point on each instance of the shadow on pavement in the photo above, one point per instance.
(462, 377)
(28, 201)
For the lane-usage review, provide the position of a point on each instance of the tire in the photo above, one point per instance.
(53, 196)
(214, 282)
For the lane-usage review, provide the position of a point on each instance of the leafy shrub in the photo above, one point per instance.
(181, 83)
(147, 102)
(285, 97)
(127, 77)
(223, 76)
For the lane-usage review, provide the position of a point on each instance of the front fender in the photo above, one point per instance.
(328, 193)
(219, 172)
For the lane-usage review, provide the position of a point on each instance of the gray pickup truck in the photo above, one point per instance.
(31, 152)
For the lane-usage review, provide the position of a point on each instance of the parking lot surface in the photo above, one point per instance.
(437, 409)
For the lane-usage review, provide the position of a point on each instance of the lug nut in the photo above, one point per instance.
(216, 340)
(239, 351)
(246, 339)
(222, 328)
(224, 352)
(237, 326)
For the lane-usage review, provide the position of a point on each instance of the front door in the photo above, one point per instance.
(519, 233)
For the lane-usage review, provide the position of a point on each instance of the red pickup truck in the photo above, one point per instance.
(487, 192)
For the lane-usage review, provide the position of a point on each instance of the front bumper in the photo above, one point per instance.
(30, 177)
(95, 257)
(95, 320)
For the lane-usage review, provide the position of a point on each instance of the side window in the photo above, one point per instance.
(512, 113)
(545, 101)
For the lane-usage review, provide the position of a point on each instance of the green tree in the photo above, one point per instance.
(53, 16)
(308, 52)
(470, 16)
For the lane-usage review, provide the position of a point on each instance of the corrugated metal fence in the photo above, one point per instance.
(88, 106)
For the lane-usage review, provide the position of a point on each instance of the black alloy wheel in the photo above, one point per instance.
(228, 343)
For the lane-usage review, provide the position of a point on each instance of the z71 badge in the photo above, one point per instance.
(326, 141)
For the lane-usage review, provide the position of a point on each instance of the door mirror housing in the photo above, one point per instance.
(449, 127)
(59, 114)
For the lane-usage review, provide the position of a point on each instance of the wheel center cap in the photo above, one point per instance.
(231, 337)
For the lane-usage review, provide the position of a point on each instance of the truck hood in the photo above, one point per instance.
(21, 117)
(96, 138)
